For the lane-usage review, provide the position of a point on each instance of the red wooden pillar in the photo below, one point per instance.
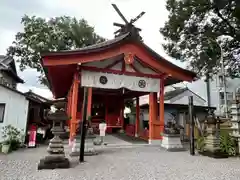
(152, 116)
(69, 97)
(89, 102)
(122, 114)
(74, 101)
(106, 110)
(161, 106)
(108, 130)
(137, 117)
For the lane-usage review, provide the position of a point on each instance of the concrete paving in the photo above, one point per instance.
(112, 140)
(123, 163)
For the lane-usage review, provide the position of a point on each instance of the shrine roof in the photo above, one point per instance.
(92, 48)
(70, 65)
(116, 41)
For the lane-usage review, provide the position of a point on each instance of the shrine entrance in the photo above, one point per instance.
(118, 69)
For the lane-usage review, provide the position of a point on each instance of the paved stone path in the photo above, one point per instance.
(122, 163)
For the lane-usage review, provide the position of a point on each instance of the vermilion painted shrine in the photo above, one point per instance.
(113, 70)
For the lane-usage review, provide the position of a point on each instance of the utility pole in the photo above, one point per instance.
(208, 89)
(224, 83)
(191, 121)
(83, 127)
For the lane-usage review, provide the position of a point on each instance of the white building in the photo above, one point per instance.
(13, 104)
(216, 90)
(13, 109)
(16, 108)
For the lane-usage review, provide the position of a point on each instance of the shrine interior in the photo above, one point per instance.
(108, 105)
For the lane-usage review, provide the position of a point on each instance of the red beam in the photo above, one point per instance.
(120, 72)
(137, 117)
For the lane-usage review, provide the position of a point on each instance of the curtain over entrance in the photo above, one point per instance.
(117, 81)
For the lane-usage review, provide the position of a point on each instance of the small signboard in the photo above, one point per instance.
(32, 136)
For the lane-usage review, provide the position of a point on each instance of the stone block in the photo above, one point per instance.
(89, 149)
(54, 162)
(172, 142)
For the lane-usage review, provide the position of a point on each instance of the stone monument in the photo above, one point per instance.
(212, 141)
(56, 157)
(171, 137)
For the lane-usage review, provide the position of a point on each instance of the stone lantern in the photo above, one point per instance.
(212, 142)
(235, 118)
(56, 157)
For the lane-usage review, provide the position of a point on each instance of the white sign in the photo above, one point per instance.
(102, 128)
(116, 81)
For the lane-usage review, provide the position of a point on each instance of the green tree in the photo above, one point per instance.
(42, 35)
(195, 29)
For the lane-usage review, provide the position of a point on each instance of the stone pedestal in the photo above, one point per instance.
(56, 157)
(172, 142)
(54, 162)
(89, 149)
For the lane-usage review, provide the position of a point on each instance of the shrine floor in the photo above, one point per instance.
(121, 161)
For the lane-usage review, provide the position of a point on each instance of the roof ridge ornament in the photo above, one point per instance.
(128, 27)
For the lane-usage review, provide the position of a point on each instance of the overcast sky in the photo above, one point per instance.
(98, 13)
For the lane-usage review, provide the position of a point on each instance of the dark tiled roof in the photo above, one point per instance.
(37, 98)
(7, 65)
(171, 94)
(178, 106)
(91, 48)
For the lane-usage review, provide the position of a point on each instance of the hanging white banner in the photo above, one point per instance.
(116, 81)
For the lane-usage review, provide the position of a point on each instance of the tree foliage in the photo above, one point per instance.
(195, 30)
(42, 35)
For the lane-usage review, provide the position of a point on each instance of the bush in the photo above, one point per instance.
(200, 143)
(227, 144)
(12, 136)
(14, 144)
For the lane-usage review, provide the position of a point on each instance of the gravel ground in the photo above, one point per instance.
(136, 163)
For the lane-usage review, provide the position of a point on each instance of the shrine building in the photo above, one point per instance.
(114, 71)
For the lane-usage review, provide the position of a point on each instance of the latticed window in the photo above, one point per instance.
(229, 98)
